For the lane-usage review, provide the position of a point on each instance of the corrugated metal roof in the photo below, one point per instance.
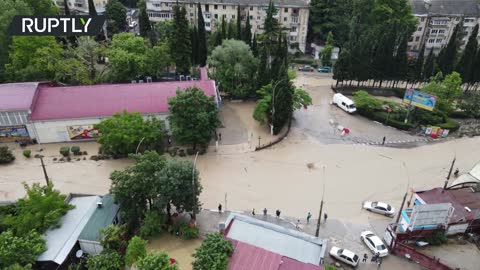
(472, 176)
(60, 241)
(289, 243)
(17, 96)
(101, 218)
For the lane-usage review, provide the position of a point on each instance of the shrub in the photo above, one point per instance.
(188, 232)
(451, 125)
(191, 151)
(459, 114)
(202, 150)
(65, 151)
(436, 238)
(94, 157)
(181, 152)
(152, 224)
(136, 250)
(75, 150)
(6, 155)
(172, 152)
(84, 153)
(27, 153)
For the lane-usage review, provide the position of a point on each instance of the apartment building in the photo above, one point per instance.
(291, 14)
(81, 6)
(437, 20)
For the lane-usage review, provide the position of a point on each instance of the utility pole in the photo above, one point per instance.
(449, 172)
(321, 206)
(44, 171)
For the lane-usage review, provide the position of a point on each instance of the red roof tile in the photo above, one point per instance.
(17, 96)
(107, 99)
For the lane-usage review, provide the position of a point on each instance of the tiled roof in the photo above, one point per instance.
(17, 96)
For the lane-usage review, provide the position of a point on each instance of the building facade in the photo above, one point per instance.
(291, 14)
(81, 6)
(438, 18)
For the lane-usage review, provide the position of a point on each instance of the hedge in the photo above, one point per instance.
(381, 117)
(451, 125)
(303, 61)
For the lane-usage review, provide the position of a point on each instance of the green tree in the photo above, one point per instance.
(232, 33)
(10, 8)
(88, 51)
(233, 67)
(271, 24)
(447, 91)
(181, 45)
(448, 56)
(116, 16)
(465, 65)
(429, 66)
(223, 28)
(67, 9)
(164, 31)
(327, 51)
(247, 32)
(91, 8)
(282, 104)
(40, 209)
(107, 260)
(135, 251)
(255, 45)
(419, 63)
(6, 155)
(20, 249)
(158, 60)
(113, 238)
(126, 57)
(137, 187)
(144, 21)
(213, 254)
(194, 42)
(329, 16)
(152, 224)
(366, 103)
(469, 104)
(122, 132)
(193, 117)
(42, 7)
(239, 25)
(202, 38)
(342, 68)
(33, 58)
(156, 261)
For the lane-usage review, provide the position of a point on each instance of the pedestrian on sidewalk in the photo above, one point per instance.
(309, 215)
(278, 213)
(325, 216)
(219, 208)
(220, 136)
(379, 263)
(374, 258)
(383, 141)
(365, 257)
(253, 212)
(298, 224)
(264, 211)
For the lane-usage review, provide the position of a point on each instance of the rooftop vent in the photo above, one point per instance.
(99, 204)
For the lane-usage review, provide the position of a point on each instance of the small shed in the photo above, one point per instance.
(104, 215)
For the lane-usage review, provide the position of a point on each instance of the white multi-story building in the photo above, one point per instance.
(81, 6)
(437, 20)
(291, 14)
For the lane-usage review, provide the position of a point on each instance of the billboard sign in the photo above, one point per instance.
(85, 132)
(419, 99)
(12, 133)
(431, 214)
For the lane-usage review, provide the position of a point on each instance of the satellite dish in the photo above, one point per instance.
(79, 253)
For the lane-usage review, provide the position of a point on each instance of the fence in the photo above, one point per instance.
(426, 261)
(279, 139)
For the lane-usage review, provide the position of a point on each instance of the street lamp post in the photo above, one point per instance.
(273, 102)
(321, 206)
(194, 216)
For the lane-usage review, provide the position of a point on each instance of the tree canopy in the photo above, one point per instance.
(107, 260)
(193, 117)
(116, 16)
(135, 251)
(20, 249)
(213, 254)
(156, 261)
(181, 44)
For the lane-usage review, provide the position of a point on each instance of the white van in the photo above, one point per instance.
(344, 103)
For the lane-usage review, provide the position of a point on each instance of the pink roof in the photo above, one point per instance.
(107, 99)
(17, 96)
(249, 257)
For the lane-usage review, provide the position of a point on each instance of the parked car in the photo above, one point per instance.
(344, 103)
(306, 68)
(345, 255)
(380, 208)
(325, 69)
(374, 243)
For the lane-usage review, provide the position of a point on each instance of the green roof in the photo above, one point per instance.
(101, 218)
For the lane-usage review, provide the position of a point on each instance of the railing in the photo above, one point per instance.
(426, 261)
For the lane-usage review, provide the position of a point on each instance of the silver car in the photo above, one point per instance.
(379, 208)
(345, 255)
(374, 243)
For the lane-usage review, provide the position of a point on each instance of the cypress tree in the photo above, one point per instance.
(255, 45)
(401, 60)
(283, 95)
(201, 39)
(277, 59)
(239, 24)
(264, 74)
(418, 69)
(67, 9)
(224, 28)
(181, 49)
(465, 65)
(145, 26)
(247, 35)
(448, 55)
(475, 77)
(91, 8)
(429, 67)
(194, 41)
(271, 23)
(285, 50)
(231, 30)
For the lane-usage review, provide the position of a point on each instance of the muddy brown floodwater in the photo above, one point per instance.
(177, 248)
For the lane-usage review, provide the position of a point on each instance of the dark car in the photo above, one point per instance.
(306, 68)
(325, 69)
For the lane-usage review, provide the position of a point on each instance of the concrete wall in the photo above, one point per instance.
(56, 130)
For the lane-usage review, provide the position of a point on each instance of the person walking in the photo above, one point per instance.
(277, 213)
(365, 257)
(297, 225)
(220, 136)
(325, 216)
(309, 216)
(264, 211)
(253, 212)
(379, 262)
(219, 208)
(383, 141)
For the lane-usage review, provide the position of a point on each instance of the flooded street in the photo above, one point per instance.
(177, 248)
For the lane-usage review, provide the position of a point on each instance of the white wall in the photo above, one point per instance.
(457, 228)
(56, 130)
(90, 247)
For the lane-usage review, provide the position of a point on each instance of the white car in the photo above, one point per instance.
(345, 255)
(380, 208)
(374, 243)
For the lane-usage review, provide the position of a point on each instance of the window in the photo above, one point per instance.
(191, 14)
(410, 39)
(293, 29)
(216, 16)
(439, 40)
(295, 19)
(419, 29)
(233, 16)
(224, 7)
(258, 18)
(156, 5)
(224, 16)
(284, 19)
(422, 19)
(441, 31)
(468, 20)
(207, 7)
(251, 17)
(207, 24)
(215, 6)
(251, 8)
(440, 22)
(191, 5)
(285, 9)
(417, 38)
(434, 31)
(208, 15)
